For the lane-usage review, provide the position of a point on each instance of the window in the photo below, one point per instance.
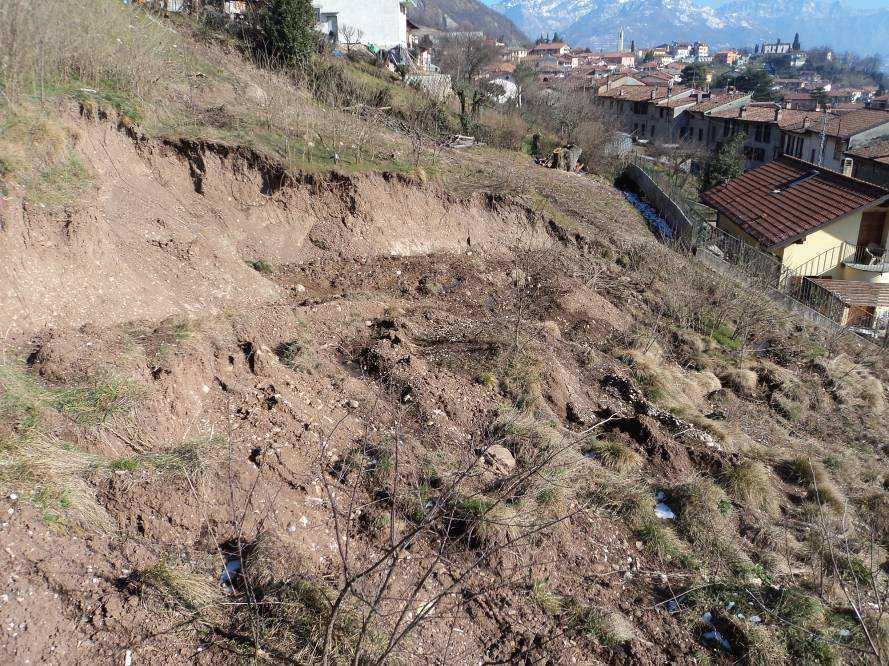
(766, 133)
(643, 129)
(725, 129)
(812, 159)
(652, 131)
(700, 134)
(640, 108)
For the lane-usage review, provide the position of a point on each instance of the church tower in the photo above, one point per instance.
(620, 39)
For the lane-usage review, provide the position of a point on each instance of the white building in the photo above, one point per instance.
(382, 23)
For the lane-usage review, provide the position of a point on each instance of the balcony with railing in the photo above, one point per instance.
(870, 258)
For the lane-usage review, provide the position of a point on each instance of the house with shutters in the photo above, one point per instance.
(823, 228)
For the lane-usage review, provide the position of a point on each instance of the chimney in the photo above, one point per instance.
(700, 97)
(652, 94)
(847, 166)
(777, 113)
(805, 123)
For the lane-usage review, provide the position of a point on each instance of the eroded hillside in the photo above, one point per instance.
(466, 412)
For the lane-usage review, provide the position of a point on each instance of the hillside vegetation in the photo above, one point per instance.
(284, 379)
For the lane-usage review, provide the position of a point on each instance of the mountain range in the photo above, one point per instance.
(595, 23)
(469, 15)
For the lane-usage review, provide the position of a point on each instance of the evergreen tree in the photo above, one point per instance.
(727, 163)
(632, 46)
(796, 46)
(556, 38)
(695, 73)
(285, 32)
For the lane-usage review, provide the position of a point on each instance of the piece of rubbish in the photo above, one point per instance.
(229, 573)
(719, 639)
(660, 495)
(663, 511)
(707, 617)
(672, 605)
(756, 619)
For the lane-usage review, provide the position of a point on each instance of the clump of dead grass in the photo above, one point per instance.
(614, 455)
(749, 484)
(741, 380)
(821, 486)
(196, 594)
(607, 628)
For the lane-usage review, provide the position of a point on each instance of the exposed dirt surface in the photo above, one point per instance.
(390, 312)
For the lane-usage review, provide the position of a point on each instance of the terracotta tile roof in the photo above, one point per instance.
(675, 102)
(555, 46)
(787, 198)
(640, 93)
(797, 95)
(841, 124)
(753, 113)
(877, 151)
(853, 293)
(717, 100)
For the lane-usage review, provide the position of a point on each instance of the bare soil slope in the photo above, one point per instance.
(504, 392)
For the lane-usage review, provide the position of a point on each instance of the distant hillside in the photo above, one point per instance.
(465, 15)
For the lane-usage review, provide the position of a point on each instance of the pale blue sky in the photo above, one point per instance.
(857, 4)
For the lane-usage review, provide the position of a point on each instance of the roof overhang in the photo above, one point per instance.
(784, 243)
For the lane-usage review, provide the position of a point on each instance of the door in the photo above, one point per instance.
(871, 230)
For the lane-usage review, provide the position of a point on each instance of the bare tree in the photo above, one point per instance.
(351, 36)
(464, 60)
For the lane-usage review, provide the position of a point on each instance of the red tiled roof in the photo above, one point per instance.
(787, 198)
(753, 113)
(717, 100)
(877, 151)
(640, 93)
(676, 102)
(841, 124)
(853, 293)
(555, 46)
(797, 95)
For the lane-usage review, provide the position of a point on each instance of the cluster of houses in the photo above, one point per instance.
(701, 120)
(556, 59)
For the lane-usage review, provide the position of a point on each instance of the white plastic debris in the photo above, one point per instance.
(755, 618)
(227, 577)
(661, 510)
(719, 639)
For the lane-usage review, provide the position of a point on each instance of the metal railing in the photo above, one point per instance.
(766, 270)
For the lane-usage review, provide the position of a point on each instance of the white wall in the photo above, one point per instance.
(381, 22)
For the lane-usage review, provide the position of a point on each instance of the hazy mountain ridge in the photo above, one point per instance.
(467, 15)
(738, 23)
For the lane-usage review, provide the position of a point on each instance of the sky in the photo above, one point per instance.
(856, 4)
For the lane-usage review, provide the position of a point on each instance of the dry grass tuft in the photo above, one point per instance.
(760, 646)
(742, 381)
(614, 455)
(198, 595)
(820, 484)
(546, 599)
(609, 629)
(750, 484)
